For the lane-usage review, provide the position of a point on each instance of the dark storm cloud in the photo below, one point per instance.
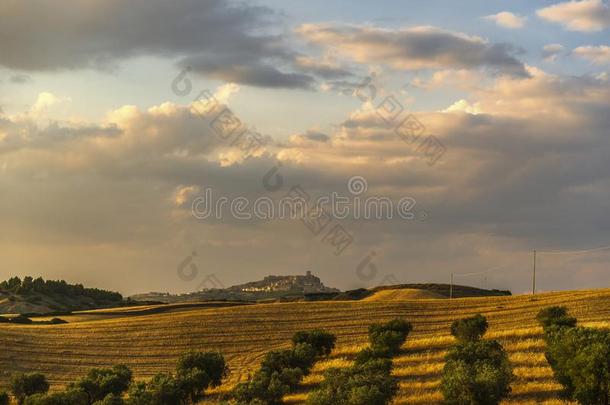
(45, 35)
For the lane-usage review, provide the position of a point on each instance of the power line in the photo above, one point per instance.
(472, 274)
(496, 268)
(535, 253)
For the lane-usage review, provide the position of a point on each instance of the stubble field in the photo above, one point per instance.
(151, 343)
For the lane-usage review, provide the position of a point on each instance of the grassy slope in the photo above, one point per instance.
(151, 343)
(13, 304)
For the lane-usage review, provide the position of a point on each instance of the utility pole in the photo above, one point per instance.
(451, 287)
(534, 276)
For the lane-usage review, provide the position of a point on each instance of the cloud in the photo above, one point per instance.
(464, 106)
(507, 20)
(414, 48)
(310, 136)
(224, 92)
(185, 194)
(46, 100)
(584, 16)
(20, 79)
(551, 52)
(530, 170)
(599, 55)
(325, 68)
(224, 40)
(254, 74)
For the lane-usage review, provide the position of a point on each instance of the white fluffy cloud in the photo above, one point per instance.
(507, 19)
(585, 15)
(600, 55)
(464, 106)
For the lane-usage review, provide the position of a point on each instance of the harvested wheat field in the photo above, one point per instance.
(150, 343)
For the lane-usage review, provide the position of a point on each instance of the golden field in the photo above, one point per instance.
(150, 343)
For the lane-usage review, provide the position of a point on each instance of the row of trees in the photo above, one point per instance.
(281, 371)
(579, 357)
(369, 380)
(477, 371)
(194, 374)
(57, 287)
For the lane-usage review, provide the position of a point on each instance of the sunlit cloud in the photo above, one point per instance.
(584, 16)
(599, 55)
(507, 19)
(414, 48)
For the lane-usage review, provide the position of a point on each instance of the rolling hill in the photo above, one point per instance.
(150, 342)
(31, 295)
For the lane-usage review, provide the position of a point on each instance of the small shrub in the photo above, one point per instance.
(323, 342)
(469, 329)
(164, 388)
(24, 385)
(111, 399)
(365, 384)
(139, 394)
(100, 382)
(4, 398)
(369, 354)
(72, 397)
(279, 374)
(268, 388)
(555, 316)
(388, 337)
(197, 371)
(301, 356)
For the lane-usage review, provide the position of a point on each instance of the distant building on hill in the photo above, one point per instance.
(297, 283)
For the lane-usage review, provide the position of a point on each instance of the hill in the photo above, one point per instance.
(150, 343)
(308, 287)
(402, 294)
(445, 290)
(295, 287)
(31, 295)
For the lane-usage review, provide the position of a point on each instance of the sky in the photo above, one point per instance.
(120, 122)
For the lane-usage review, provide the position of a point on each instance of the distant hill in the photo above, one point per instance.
(402, 294)
(310, 288)
(292, 287)
(459, 291)
(31, 295)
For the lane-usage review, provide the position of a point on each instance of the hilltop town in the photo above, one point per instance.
(270, 287)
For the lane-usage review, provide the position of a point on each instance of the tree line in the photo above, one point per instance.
(57, 287)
